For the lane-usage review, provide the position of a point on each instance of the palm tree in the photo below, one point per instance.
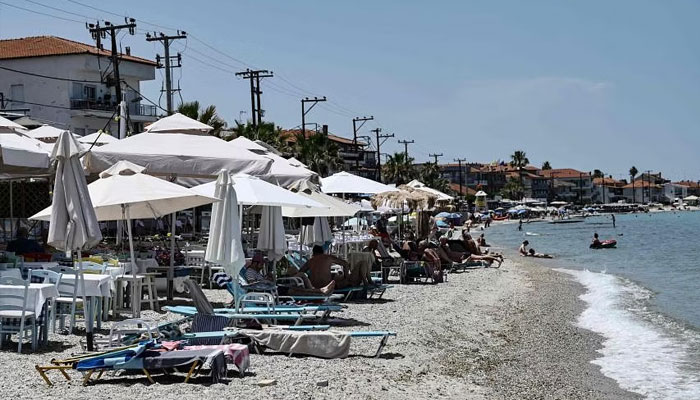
(519, 160)
(546, 166)
(431, 177)
(399, 169)
(512, 189)
(207, 115)
(266, 132)
(633, 174)
(318, 152)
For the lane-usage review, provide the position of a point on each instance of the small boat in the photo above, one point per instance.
(605, 244)
(500, 218)
(566, 221)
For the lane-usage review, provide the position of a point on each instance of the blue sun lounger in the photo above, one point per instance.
(296, 318)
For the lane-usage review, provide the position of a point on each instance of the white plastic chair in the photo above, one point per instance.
(11, 313)
(48, 276)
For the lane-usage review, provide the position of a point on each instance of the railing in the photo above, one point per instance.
(92, 104)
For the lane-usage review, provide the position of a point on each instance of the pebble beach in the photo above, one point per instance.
(486, 333)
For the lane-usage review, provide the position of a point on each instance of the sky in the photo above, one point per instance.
(586, 85)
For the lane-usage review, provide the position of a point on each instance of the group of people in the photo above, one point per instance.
(525, 252)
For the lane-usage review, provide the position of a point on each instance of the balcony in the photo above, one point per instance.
(135, 109)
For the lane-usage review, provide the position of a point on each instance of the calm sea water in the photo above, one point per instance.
(643, 297)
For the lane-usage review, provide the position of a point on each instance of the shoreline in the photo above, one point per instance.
(486, 333)
(549, 355)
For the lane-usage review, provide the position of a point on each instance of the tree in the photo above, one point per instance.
(399, 169)
(598, 173)
(513, 189)
(266, 132)
(318, 152)
(519, 160)
(633, 174)
(207, 115)
(431, 177)
(546, 166)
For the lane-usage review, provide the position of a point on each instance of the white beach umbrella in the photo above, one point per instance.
(331, 206)
(73, 224)
(345, 182)
(146, 196)
(179, 123)
(224, 246)
(8, 126)
(317, 233)
(98, 138)
(282, 172)
(416, 184)
(252, 191)
(271, 239)
(45, 132)
(21, 155)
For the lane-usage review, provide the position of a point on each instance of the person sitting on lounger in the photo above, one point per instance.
(533, 253)
(446, 254)
(253, 274)
(482, 241)
(319, 269)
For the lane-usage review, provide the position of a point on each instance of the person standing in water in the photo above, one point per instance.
(520, 225)
(613, 219)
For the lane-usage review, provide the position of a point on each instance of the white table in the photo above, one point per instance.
(37, 294)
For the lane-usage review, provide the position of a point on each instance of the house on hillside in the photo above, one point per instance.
(83, 99)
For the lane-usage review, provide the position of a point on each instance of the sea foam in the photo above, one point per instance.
(643, 351)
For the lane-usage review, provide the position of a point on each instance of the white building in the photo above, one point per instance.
(78, 101)
(673, 191)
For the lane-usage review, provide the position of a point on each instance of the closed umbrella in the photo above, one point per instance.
(271, 238)
(73, 224)
(224, 246)
(317, 233)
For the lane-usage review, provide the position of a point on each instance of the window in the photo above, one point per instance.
(77, 90)
(79, 131)
(90, 92)
(17, 95)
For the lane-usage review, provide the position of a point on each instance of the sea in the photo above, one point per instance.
(642, 297)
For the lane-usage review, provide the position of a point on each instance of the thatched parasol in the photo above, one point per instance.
(415, 199)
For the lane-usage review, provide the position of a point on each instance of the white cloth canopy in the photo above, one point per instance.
(45, 132)
(271, 239)
(101, 137)
(224, 246)
(21, 155)
(416, 184)
(345, 182)
(180, 154)
(178, 123)
(8, 126)
(317, 233)
(146, 196)
(73, 223)
(252, 191)
(331, 206)
(282, 172)
(690, 198)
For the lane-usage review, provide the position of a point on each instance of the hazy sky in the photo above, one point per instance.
(586, 84)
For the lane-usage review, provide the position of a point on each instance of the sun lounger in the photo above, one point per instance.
(141, 357)
(377, 290)
(297, 318)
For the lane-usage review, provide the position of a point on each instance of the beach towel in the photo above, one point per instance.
(317, 344)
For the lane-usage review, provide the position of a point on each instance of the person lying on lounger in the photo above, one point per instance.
(253, 274)
(475, 251)
(446, 254)
(532, 253)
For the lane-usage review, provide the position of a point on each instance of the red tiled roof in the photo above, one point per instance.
(43, 46)
(638, 185)
(608, 182)
(290, 135)
(563, 173)
(465, 189)
(690, 184)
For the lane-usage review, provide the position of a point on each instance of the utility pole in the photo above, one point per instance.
(459, 161)
(255, 106)
(100, 32)
(2, 101)
(166, 40)
(649, 185)
(356, 128)
(436, 157)
(379, 154)
(305, 111)
(405, 144)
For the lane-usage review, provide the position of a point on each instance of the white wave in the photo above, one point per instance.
(640, 355)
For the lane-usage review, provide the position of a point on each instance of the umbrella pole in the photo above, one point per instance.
(171, 270)
(135, 295)
(87, 307)
(12, 224)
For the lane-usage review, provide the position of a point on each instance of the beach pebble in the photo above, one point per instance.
(322, 383)
(267, 382)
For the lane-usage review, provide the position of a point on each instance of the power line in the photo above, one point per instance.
(40, 13)
(405, 144)
(60, 10)
(38, 104)
(120, 15)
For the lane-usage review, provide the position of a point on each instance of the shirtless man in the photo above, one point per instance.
(533, 253)
(446, 254)
(319, 268)
(253, 274)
